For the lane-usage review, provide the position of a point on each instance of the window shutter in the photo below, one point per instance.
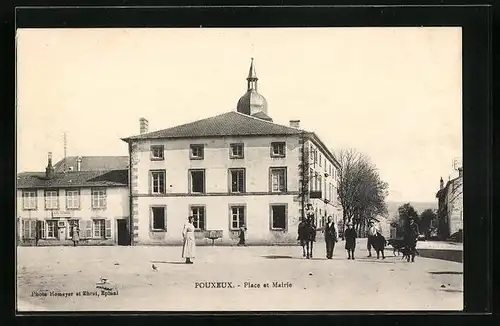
(32, 229)
(165, 216)
(108, 229)
(88, 229)
(26, 229)
(43, 232)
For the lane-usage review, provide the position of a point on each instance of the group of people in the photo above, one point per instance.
(307, 235)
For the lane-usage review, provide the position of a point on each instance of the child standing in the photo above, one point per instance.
(350, 241)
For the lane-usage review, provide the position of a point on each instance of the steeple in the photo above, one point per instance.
(49, 170)
(441, 183)
(252, 103)
(252, 78)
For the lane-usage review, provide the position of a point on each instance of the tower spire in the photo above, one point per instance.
(252, 77)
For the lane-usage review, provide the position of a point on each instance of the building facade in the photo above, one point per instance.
(450, 207)
(231, 170)
(88, 196)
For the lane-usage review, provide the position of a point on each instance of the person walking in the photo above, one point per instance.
(411, 239)
(350, 241)
(189, 245)
(330, 237)
(242, 235)
(76, 235)
(372, 233)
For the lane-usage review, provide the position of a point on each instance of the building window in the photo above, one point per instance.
(278, 179)
(101, 229)
(29, 200)
(158, 218)
(196, 152)
(236, 151)
(278, 149)
(72, 199)
(99, 198)
(278, 217)
(51, 199)
(237, 217)
(197, 181)
(320, 159)
(157, 152)
(157, 182)
(29, 229)
(198, 212)
(51, 229)
(237, 180)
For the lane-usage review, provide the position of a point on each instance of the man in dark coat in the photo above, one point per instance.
(330, 237)
(350, 241)
(411, 239)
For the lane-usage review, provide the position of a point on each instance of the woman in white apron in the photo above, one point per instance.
(189, 245)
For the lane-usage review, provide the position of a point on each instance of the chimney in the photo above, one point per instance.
(49, 170)
(441, 183)
(295, 124)
(79, 163)
(460, 172)
(143, 125)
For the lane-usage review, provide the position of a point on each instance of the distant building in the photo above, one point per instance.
(450, 206)
(228, 170)
(92, 196)
(91, 163)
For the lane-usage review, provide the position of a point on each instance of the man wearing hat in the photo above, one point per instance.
(411, 238)
(330, 237)
(350, 240)
(372, 233)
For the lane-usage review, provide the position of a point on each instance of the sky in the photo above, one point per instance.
(394, 94)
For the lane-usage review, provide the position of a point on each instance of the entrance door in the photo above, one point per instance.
(123, 233)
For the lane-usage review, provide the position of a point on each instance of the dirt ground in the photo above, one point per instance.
(316, 284)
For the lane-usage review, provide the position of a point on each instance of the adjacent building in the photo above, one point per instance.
(89, 192)
(235, 169)
(450, 206)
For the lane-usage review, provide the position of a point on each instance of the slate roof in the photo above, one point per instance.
(262, 115)
(94, 163)
(230, 124)
(227, 124)
(36, 180)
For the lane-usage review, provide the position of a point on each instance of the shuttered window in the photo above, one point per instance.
(29, 229)
(101, 229)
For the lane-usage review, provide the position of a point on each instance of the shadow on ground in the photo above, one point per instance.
(297, 257)
(446, 273)
(450, 255)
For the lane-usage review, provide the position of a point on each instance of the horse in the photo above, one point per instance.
(307, 236)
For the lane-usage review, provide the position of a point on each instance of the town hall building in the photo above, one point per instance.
(231, 170)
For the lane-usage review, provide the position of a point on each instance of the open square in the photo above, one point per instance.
(316, 284)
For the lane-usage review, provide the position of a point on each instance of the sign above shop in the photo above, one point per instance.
(59, 214)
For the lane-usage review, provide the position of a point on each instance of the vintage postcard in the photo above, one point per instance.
(266, 169)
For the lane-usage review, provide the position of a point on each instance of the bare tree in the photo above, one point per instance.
(361, 192)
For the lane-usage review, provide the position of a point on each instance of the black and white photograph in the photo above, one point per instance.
(239, 169)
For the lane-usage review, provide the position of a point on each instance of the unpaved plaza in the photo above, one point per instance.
(317, 284)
